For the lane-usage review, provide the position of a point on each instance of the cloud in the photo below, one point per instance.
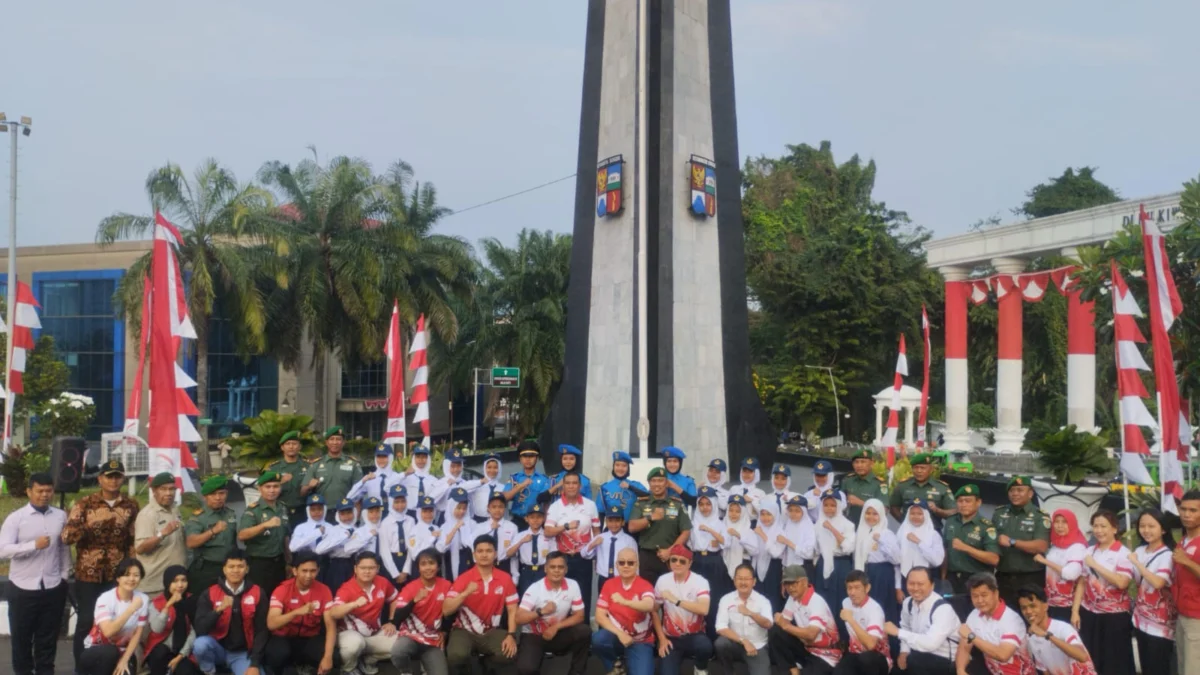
(796, 18)
(1031, 46)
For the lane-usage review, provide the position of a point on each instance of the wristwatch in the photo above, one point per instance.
(970, 638)
(678, 602)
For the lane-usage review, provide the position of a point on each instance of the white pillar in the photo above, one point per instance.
(908, 426)
(957, 435)
(1081, 357)
(1010, 435)
(878, 422)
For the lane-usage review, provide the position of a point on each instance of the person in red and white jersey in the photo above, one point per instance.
(552, 620)
(486, 601)
(804, 636)
(574, 521)
(1187, 584)
(684, 599)
(121, 617)
(869, 652)
(361, 607)
(994, 629)
(1054, 646)
(623, 614)
(1064, 562)
(417, 613)
(303, 633)
(1154, 612)
(1101, 612)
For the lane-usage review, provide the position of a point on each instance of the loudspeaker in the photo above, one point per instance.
(66, 462)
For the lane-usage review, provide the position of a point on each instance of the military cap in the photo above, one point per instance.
(212, 484)
(750, 463)
(615, 511)
(1019, 481)
(862, 454)
(454, 455)
(383, 450)
(565, 449)
(344, 505)
(831, 494)
(822, 468)
(426, 502)
(782, 470)
(968, 490)
(719, 465)
(372, 503)
(491, 456)
(706, 491)
(289, 436)
(737, 499)
(797, 500)
(113, 466)
(529, 447)
(459, 495)
(334, 431)
(923, 503)
(267, 477)
(420, 450)
(164, 478)
(920, 458)
(656, 472)
(622, 456)
(538, 508)
(497, 496)
(672, 452)
(315, 500)
(397, 491)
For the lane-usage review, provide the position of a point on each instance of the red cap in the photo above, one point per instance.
(681, 551)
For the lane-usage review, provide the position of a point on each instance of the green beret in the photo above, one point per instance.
(969, 490)
(920, 458)
(1021, 481)
(334, 431)
(212, 484)
(164, 478)
(289, 436)
(862, 454)
(657, 472)
(267, 477)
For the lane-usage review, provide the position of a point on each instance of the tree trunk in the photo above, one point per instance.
(318, 413)
(202, 456)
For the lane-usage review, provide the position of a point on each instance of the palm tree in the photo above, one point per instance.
(227, 245)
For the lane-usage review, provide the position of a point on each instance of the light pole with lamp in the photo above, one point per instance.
(24, 127)
(833, 388)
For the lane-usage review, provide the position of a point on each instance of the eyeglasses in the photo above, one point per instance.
(680, 561)
(626, 563)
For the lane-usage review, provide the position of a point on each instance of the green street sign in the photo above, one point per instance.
(204, 421)
(506, 377)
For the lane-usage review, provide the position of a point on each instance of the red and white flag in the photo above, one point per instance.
(1130, 389)
(922, 423)
(26, 320)
(893, 425)
(1165, 307)
(394, 434)
(420, 389)
(133, 411)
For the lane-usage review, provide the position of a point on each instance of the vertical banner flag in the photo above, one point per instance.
(1131, 391)
(394, 435)
(608, 186)
(26, 320)
(893, 425)
(923, 422)
(1165, 307)
(420, 391)
(133, 411)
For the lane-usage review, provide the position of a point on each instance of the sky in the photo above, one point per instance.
(964, 106)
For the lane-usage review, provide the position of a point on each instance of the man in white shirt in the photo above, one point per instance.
(743, 618)
(1054, 646)
(805, 636)
(552, 620)
(992, 628)
(928, 630)
(31, 538)
(573, 521)
(684, 599)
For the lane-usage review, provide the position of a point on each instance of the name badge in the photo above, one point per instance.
(346, 468)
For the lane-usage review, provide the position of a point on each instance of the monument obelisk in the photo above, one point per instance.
(657, 325)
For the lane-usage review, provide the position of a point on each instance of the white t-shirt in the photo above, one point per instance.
(563, 513)
(729, 617)
(1052, 660)
(566, 597)
(677, 621)
(1060, 589)
(813, 612)
(108, 607)
(1001, 626)
(871, 619)
(1154, 612)
(1099, 596)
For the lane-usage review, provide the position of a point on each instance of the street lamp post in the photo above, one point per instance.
(24, 126)
(833, 388)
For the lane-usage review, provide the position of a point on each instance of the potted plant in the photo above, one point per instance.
(1071, 456)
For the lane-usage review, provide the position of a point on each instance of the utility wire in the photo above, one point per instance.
(510, 196)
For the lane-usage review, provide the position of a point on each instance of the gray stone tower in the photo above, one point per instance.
(658, 237)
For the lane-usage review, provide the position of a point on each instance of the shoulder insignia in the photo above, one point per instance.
(197, 512)
(944, 483)
(252, 506)
(314, 460)
(1046, 520)
(645, 498)
(991, 532)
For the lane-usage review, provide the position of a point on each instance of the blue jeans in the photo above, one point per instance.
(694, 647)
(210, 655)
(639, 656)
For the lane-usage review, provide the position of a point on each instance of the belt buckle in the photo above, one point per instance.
(535, 567)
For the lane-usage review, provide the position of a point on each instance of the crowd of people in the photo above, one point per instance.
(334, 569)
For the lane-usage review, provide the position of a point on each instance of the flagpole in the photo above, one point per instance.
(12, 281)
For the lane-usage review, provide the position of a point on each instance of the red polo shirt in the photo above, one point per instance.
(484, 609)
(288, 598)
(1187, 584)
(426, 618)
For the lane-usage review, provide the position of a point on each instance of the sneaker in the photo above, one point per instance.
(699, 671)
(352, 671)
(619, 667)
(368, 667)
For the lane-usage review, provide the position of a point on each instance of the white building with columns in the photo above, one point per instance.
(990, 266)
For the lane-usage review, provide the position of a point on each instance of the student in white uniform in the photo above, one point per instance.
(456, 525)
(530, 549)
(502, 530)
(748, 486)
(493, 482)
(683, 601)
(920, 544)
(606, 545)
(765, 550)
(868, 651)
(339, 563)
(992, 628)
(877, 554)
(798, 537)
(1053, 645)
(835, 546)
(394, 534)
(424, 535)
(822, 483)
(928, 630)
(307, 534)
(453, 475)
(737, 532)
(121, 617)
(419, 481)
(717, 477)
(379, 480)
(706, 540)
(804, 636)
(781, 487)
(397, 503)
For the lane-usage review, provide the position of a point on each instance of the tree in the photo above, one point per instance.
(1071, 191)
(227, 244)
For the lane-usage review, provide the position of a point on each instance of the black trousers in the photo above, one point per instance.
(283, 654)
(266, 573)
(34, 617)
(865, 663)
(159, 662)
(1108, 641)
(580, 569)
(788, 651)
(102, 660)
(1157, 654)
(924, 663)
(86, 594)
(575, 641)
(650, 567)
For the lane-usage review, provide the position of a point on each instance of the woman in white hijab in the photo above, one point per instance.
(877, 552)
(835, 545)
(493, 481)
(708, 537)
(766, 555)
(920, 544)
(715, 478)
(748, 486)
(735, 528)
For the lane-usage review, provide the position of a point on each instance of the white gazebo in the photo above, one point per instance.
(910, 402)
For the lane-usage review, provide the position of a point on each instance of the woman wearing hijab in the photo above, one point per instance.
(169, 647)
(877, 553)
(620, 490)
(748, 486)
(457, 525)
(1064, 563)
(491, 483)
(835, 544)
(735, 528)
(716, 478)
(798, 536)
(920, 543)
(707, 537)
(766, 555)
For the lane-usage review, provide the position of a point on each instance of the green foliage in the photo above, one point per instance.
(901, 472)
(981, 416)
(436, 454)
(260, 447)
(1073, 455)
(1071, 191)
(46, 375)
(64, 415)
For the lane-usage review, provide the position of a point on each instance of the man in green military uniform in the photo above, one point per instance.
(211, 534)
(291, 470)
(1024, 533)
(660, 521)
(264, 530)
(923, 486)
(862, 485)
(970, 540)
(333, 475)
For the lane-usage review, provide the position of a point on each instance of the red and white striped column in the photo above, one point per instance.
(1009, 337)
(1081, 356)
(958, 290)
